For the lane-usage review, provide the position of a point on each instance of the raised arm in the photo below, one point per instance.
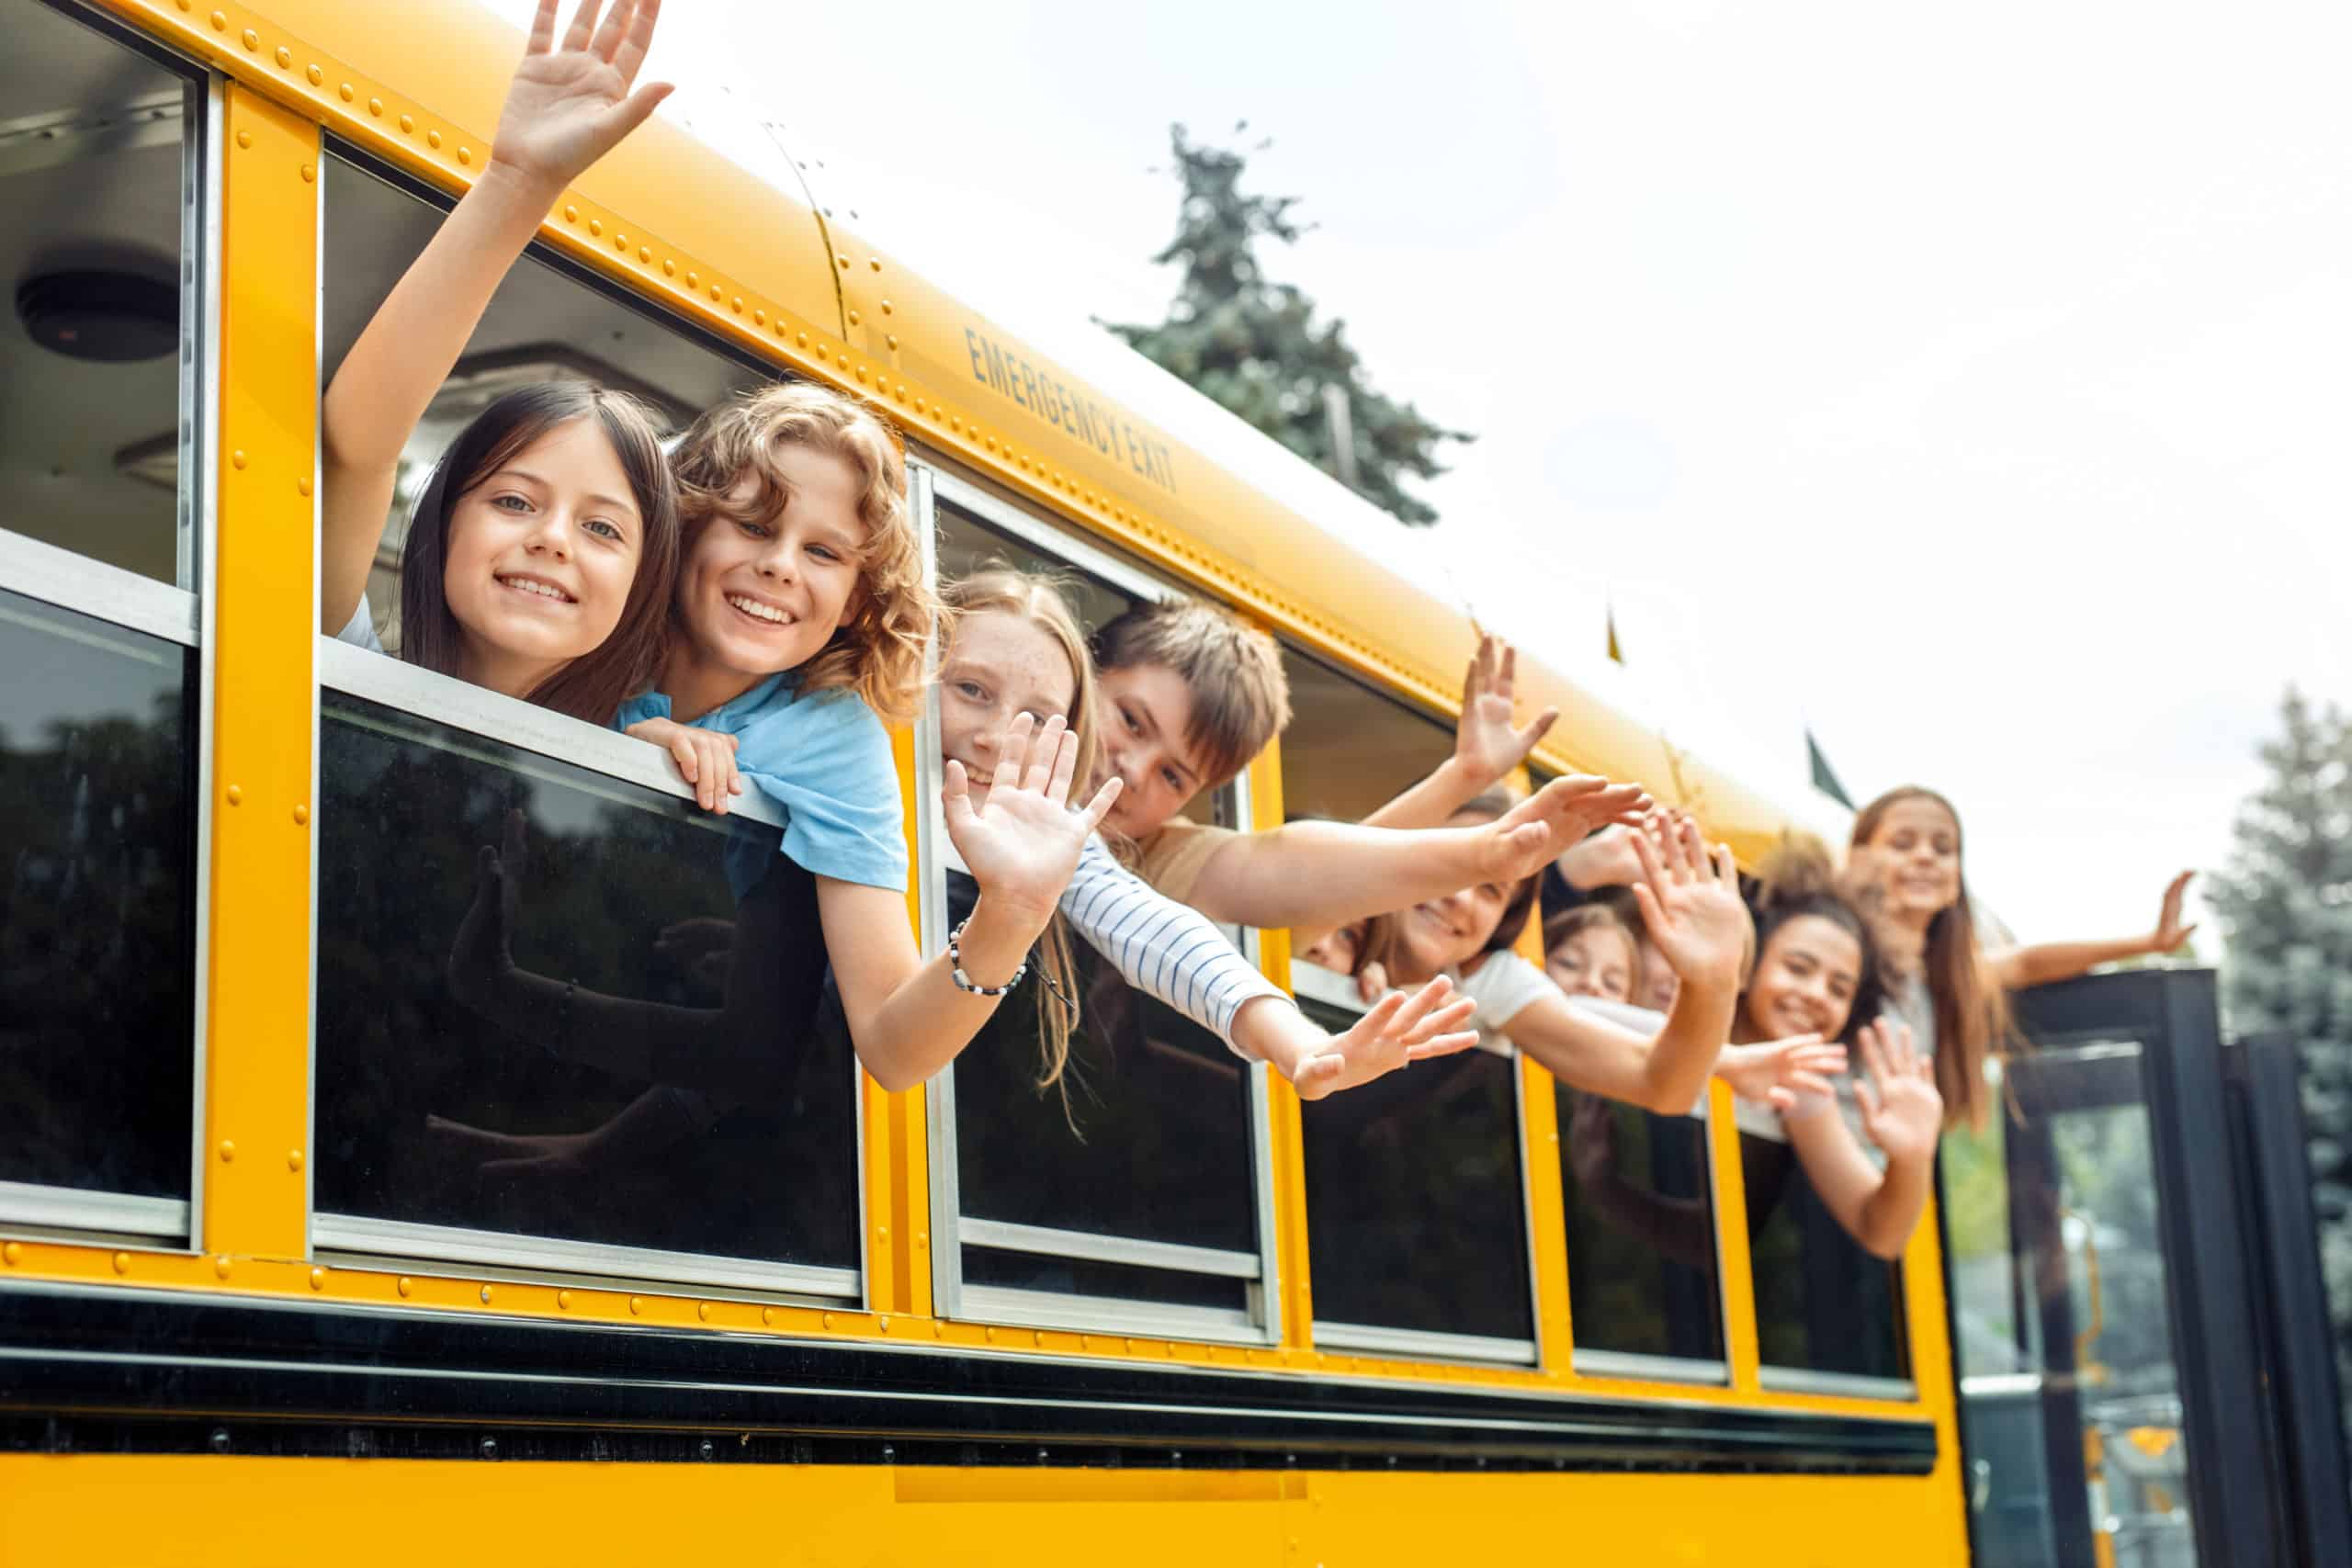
(1319, 874)
(1486, 746)
(565, 109)
(1903, 1114)
(909, 1017)
(2018, 967)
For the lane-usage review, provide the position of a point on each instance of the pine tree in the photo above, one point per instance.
(2286, 900)
(1256, 347)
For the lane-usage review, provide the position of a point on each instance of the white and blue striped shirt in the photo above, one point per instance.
(1169, 951)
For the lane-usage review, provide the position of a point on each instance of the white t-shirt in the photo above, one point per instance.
(360, 630)
(1504, 986)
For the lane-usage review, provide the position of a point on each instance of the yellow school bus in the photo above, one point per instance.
(310, 1258)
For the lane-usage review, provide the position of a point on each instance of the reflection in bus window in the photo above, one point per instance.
(1824, 1306)
(541, 326)
(96, 904)
(1641, 1231)
(94, 192)
(1415, 1202)
(551, 1004)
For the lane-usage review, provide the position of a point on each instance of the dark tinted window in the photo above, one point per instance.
(94, 181)
(658, 1068)
(1415, 1208)
(1641, 1229)
(97, 903)
(1823, 1305)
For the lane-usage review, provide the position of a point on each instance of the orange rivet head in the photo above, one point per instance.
(620, 242)
(285, 58)
(315, 75)
(228, 1151)
(563, 1300)
(301, 814)
(885, 1326)
(302, 485)
(758, 318)
(244, 139)
(253, 39)
(1039, 1337)
(485, 1295)
(861, 372)
(375, 106)
(693, 280)
(737, 303)
(318, 1278)
(843, 360)
(990, 1335)
(14, 1252)
(938, 1329)
(595, 225)
(829, 1320)
(801, 341)
(184, 4)
(635, 1304)
(571, 214)
(405, 1285)
(852, 318)
(891, 339)
(767, 1315)
(342, 90)
(238, 458)
(716, 291)
(220, 1266)
(309, 173)
(843, 260)
(122, 1263)
(408, 123)
(702, 1310)
(433, 139)
(220, 21)
(645, 254)
(885, 307)
(874, 261)
(294, 1159)
(669, 267)
(236, 794)
(465, 154)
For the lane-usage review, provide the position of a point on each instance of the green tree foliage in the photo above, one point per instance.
(2287, 902)
(1256, 347)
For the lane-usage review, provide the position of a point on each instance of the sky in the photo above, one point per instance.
(1964, 384)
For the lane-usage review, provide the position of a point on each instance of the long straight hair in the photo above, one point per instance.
(1972, 1010)
(998, 588)
(592, 686)
(1381, 933)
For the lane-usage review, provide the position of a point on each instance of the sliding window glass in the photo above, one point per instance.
(1134, 1193)
(567, 1022)
(1829, 1316)
(1415, 1194)
(102, 175)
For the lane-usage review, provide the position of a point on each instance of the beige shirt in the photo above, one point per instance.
(1172, 859)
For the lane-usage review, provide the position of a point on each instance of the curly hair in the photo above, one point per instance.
(1797, 880)
(878, 650)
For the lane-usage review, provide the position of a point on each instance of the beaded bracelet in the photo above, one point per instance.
(965, 982)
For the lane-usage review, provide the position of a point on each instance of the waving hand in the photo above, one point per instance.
(1397, 1031)
(1021, 841)
(570, 105)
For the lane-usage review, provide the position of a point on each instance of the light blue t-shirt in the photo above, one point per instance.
(824, 762)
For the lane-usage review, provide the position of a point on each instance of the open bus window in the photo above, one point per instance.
(98, 174)
(1416, 1195)
(1829, 1317)
(1645, 1295)
(564, 1016)
(1135, 1190)
(542, 325)
(100, 710)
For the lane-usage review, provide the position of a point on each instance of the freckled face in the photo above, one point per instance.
(1148, 709)
(1915, 854)
(763, 596)
(1595, 962)
(541, 554)
(1805, 980)
(998, 667)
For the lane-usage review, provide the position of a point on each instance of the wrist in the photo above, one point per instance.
(1273, 1031)
(997, 939)
(504, 180)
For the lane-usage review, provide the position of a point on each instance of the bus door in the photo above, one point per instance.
(2118, 1407)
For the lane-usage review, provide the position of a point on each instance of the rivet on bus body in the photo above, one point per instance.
(285, 59)
(309, 173)
(737, 303)
(220, 1266)
(485, 1295)
(669, 267)
(1086, 1342)
(236, 794)
(253, 39)
(938, 1329)
(892, 341)
(843, 360)
(988, 1333)
(220, 21)
(228, 1150)
(702, 1310)
(122, 1263)
(184, 3)
(758, 318)
(800, 340)
(885, 1326)
(238, 458)
(571, 214)
(563, 1301)
(861, 372)
(302, 485)
(645, 256)
(885, 307)
(957, 425)
(433, 139)
(767, 1317)
(315, 75)
(408, 123)
(693, 281)
(923, 1238)
(852, 318)
(14, 1252)
(318, 1278)
(375, 106)
(301, 818)
(1039, 1335)
(991, 443)
(779, 326)
(636, 1305)
(595, 225)
(716, 291)
(465, 154)
(244, 139)
(842, 259)
(829, 1320)
(405, 1285)
(874, 261)
(620, 242)
(342, 90)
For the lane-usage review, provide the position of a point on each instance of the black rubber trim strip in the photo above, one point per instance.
(100, 1370)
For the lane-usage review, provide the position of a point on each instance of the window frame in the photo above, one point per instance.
(180, 611)
(932, 484)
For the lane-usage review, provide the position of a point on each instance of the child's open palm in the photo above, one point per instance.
(1397, 1031)
(567, 108)
(1021, 841)
(1689, 901)
(1485, 744)
(1901, 1110)
(1520, 842)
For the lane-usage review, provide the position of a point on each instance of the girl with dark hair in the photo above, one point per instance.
(541, 555)
(1953, 994)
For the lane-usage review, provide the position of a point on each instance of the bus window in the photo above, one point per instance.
(1829, 1317)
(100, 730)
(1644, 1298)
(542, 325)
(1135, 1190)
(1416, 1200)
(99, 176)
(565, 1019)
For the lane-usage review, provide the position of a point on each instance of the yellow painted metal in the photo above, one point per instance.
(1286, 1129)
(1732, 1255)
(267, 1512)
(258, 1030)
(1547, 1214)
